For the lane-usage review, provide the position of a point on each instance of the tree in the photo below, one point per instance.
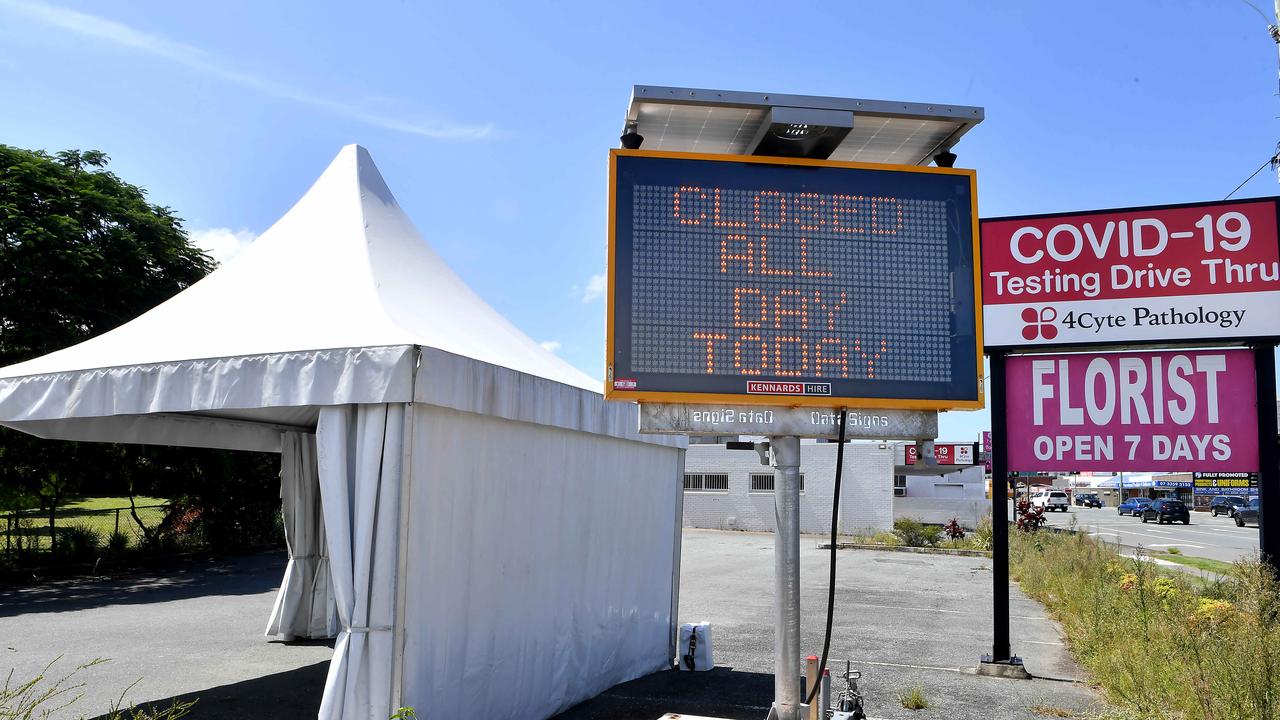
(81, 252)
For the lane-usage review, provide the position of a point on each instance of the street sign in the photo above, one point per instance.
(1133, 411)
(706, 419)
(785, 282)
(1205, 271)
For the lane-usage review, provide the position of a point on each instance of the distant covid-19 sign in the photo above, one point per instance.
(1173, 273)
(791, 282)
(1191, 410)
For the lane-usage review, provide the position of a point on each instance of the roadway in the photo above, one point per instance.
(1217, 538)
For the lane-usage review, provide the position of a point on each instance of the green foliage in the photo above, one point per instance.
(914, 533)
(47, 695)
(980, 539)
(117, 543)
(404, 713)
(82, 252)
(913, 698)
(1160, 645)
(79, 543)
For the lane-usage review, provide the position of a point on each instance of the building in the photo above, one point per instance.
(936, 493)
(730, 490)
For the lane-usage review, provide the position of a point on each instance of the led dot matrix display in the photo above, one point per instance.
(817, 280)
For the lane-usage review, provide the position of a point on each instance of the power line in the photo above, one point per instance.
(1270, 161)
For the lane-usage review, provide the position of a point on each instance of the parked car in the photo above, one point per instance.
(1051, 500)
(1226, 505)
(1088, 500)
(1132, 506)
(1251, 513)
(1167, 511)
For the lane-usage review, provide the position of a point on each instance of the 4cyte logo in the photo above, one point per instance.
(1039, 323)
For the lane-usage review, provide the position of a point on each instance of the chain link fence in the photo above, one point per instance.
(80, 532)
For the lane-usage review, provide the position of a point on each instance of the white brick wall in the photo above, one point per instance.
(866, 502)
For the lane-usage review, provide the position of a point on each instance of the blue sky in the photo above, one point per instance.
(492, 122)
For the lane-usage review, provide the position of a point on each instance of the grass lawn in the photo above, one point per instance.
(109, 503)
(1214, 566)
(97, 513)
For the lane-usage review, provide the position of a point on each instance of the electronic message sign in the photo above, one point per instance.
(792, 282)
(1155, 274)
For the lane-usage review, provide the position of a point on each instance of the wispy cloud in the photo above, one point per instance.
(222, 244)
(550, 345)
(116, 33)
(594, 290)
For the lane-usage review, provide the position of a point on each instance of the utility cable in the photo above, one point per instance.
(1270, 161)
(816, 682)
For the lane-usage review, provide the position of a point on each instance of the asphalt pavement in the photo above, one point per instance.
(1216, 538)
(195, 631)
(189, 630)
(901, 618)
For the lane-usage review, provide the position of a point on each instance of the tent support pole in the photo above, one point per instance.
(786, 565)
(402, 560)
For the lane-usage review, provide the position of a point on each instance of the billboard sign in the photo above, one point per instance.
(953, 453)
(1133, 411)
(778, 281)
(1243, 484)
(1143, 275)
(911, 454)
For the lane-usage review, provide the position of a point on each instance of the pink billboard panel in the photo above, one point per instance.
(1182, 410)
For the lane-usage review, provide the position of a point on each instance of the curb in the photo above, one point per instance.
(908, 549)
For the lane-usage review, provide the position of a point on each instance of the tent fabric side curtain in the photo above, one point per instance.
(305, 606)
(360, 456)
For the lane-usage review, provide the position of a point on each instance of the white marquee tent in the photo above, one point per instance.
(485, 535)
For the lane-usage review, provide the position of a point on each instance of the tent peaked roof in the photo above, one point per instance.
(344, 268)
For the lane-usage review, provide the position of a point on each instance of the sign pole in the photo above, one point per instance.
(1000, 652)
(786, 566)
(1264, 359)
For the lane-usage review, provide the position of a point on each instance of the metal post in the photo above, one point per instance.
(786, 568)
(999, 514)
(1264, 361)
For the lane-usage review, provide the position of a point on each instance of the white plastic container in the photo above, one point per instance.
(695, 647)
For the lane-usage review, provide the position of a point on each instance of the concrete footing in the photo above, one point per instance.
(1011, 669)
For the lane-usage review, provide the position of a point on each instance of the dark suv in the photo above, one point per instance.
(1226, 505)
(1088, 500)
(1163, 511)
(1251, 513)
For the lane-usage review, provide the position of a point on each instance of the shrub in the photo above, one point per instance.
(914, 533)
(981, 538)
(79, 542)
(953, 530)
(1153, 640)
(886, 538)
(1030, 518)
(117, 543)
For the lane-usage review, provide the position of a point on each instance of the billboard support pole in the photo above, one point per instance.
(1264, 362)
(1001, 661)
(786, 567)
